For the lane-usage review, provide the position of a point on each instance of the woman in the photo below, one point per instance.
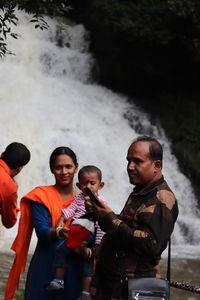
(41, 210)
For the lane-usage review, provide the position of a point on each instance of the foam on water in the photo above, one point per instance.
(48, 99)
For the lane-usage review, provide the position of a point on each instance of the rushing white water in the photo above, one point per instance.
(48, 99)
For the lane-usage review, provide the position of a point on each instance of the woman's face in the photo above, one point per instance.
(63, 169)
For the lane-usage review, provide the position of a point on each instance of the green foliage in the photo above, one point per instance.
(40, 22)
(38, 8)
(159, 21)
(7, 17)
(186, 9)
(153, 43)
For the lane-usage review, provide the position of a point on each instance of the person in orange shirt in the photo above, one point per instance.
(12, 160)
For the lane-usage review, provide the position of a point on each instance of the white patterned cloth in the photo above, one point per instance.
(77, 209)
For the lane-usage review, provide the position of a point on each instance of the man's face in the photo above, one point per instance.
(141, 169)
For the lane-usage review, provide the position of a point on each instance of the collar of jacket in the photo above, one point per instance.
(149, 189)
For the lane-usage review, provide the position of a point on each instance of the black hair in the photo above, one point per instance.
(155, 148)
(92, 169)
(62, 150)
(16, 155)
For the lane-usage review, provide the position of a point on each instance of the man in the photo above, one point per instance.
(12, 160)
(135, 240)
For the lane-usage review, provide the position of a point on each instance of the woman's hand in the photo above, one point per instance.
(62, 232)
(61, 221)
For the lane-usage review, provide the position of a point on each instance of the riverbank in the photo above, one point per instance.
(182, 270)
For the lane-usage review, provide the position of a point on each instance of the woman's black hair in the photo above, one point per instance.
(62, 150)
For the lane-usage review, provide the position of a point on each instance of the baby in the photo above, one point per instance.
(84, 229)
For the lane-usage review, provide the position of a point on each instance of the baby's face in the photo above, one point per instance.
(91, 181)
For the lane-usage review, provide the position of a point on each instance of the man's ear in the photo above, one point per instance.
(19, 169)
(14, 172)
(158, 165)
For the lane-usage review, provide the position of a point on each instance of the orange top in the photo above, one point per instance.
(8, 196)
(49, 196)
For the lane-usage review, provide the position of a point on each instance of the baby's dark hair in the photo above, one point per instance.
(88, 169)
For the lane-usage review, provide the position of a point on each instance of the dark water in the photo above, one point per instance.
(181, 269)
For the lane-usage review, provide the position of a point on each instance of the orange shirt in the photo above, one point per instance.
(8, 196)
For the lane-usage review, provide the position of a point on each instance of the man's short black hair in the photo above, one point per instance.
(88, 169)
(155, 148)
(16, 155)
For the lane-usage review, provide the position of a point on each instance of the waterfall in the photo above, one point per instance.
(49, 99)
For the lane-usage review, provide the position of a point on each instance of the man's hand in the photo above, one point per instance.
(99, 211)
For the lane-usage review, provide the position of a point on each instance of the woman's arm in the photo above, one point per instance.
(61, 221)
(41, 220)
(42, 223)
